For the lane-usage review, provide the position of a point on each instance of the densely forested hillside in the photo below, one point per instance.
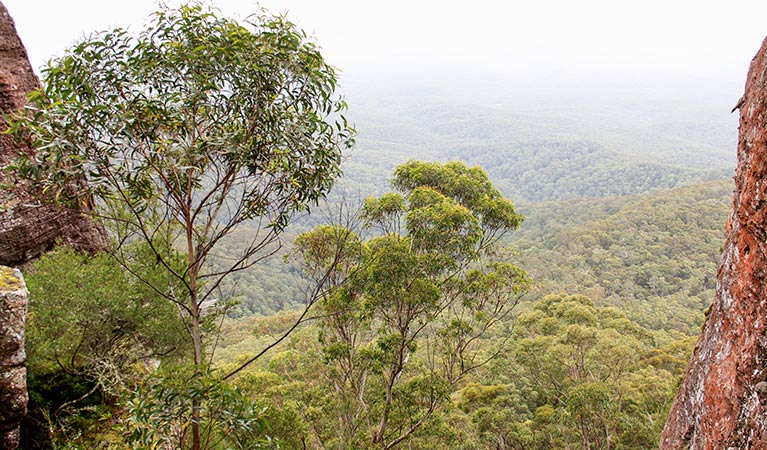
(655, 256)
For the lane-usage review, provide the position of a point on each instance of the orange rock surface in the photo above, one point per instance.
(723, 402)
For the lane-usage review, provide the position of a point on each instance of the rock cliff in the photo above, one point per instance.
(26, 227)
(13, 374)
(723, 401)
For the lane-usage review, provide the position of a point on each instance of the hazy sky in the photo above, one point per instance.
(709, 40)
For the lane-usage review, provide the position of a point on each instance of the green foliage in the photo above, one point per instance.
(328, 253)
(546, 170)
(468, 186)
(576, 375)
(453, 198)
(191, 94)
(384, 212)
(266, 288)
(156, 414)
(593, 372)
(393, 293)
(654, 255)
(87, 311)
(641, 340)
(92, 330)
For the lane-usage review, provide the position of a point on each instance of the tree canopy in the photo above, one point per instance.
(425, 281)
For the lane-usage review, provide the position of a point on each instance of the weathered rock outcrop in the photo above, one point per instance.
(26, 227)
(13, 374)
(723, 402)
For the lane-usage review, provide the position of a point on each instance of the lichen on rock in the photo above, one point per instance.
(9, 279)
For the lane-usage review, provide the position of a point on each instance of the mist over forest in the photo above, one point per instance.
(510, 128)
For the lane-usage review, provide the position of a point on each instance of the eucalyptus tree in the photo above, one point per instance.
(406, 312)
(177, 135)
(600, 380)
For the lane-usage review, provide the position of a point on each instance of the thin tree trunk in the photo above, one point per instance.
(192, 258)
(197, 342)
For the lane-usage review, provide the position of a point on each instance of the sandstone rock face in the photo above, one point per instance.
(26, 227)
(13, 374)
(723, 402)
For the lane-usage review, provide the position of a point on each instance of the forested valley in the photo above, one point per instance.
(490, 270)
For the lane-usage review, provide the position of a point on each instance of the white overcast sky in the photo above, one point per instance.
(664, 38)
